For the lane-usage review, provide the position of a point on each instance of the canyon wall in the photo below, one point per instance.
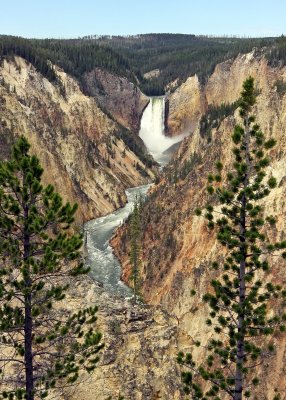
(177, 248)
(119, 97)
(78, 144)
(140, 349)
(192, 99)
(84, 157)
(186, 105)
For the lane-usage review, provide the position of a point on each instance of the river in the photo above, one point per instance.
(105, 267)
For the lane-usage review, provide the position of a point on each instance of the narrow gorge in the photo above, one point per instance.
(108, 124)
(105, 267)
(121, 316)
(177, 246)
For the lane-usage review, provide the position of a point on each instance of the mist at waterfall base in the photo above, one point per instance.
(104, 266)
(152, 130)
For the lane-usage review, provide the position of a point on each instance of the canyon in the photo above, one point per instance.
(177, 247)
(79, 145)
(78, 134)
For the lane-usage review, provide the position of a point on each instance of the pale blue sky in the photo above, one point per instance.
(73, 18)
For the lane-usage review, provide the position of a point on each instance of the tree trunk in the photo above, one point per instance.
(242, 290)
(240, 342)
(28, 349)
(241, 317)
(28, 324)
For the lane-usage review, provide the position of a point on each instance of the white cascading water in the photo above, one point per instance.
(152, 129)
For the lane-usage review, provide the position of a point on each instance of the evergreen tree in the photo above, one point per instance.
(42, 347)
(135, 251)
(240, 300)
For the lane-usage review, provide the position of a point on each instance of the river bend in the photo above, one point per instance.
(105, 267)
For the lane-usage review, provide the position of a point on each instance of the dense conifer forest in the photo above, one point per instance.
(176, 56)
(179, 56)
(75, 56)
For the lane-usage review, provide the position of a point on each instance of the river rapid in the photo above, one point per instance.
(105, 267)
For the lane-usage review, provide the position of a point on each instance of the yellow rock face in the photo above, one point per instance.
(189, 102)
(73, 138)
(142, 341)
(186, 106)
(139, 357)
(177, 247)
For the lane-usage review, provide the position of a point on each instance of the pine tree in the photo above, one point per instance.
(42, 345)
(240, 300)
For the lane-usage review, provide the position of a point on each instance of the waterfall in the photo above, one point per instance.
(152, 130)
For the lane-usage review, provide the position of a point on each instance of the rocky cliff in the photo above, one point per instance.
(185, 107)
(83, 155)
(191, 100)
(121, 98)
(141, 346)
(79, 146)
(177, 247)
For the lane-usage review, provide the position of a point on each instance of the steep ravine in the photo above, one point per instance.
(121, 98)
(141, 341)
(99, 256)
(139, 358)
(77, 143)
(177, 247)
(105, 267)
(79, 148)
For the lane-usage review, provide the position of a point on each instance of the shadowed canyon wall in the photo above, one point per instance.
(119, 97)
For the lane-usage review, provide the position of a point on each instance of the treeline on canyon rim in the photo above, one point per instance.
(175, 56)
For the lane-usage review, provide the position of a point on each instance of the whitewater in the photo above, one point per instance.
(152, 131)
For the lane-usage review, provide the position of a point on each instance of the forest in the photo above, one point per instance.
(179, 56)
(176, 56)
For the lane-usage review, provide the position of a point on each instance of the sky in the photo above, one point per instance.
(77, 18)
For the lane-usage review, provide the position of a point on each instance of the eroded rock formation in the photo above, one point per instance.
(119, 97)
(141, 346)
(78, 145)
(177, 247)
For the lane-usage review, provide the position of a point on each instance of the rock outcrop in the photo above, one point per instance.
(186, 106)
(79, 146)
(177, 247)
(119, 97)
(191, 100)
(139, 357)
